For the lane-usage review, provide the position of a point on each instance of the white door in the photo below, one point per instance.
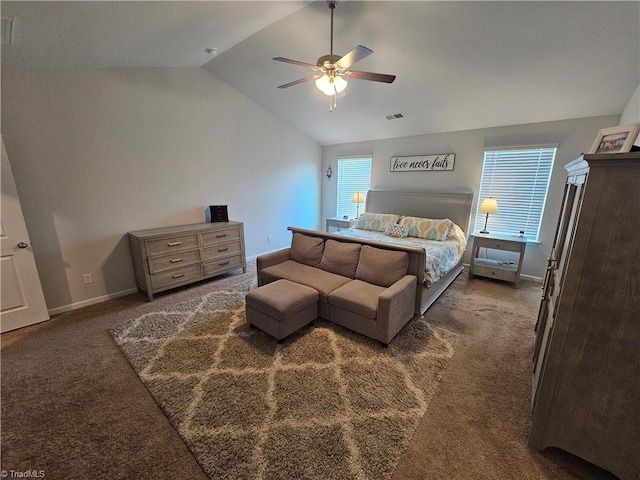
(21, 298)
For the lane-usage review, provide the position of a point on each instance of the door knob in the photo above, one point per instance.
(22, 245)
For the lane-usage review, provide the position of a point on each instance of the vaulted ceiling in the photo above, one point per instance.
(459, 65)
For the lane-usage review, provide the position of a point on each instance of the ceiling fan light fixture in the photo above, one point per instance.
(331, 85)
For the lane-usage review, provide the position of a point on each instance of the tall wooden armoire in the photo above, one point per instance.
(586, 365)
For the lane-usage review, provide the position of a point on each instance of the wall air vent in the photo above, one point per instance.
(7, 30)
(394, 116)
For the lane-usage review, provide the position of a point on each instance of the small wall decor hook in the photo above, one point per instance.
(329, 172)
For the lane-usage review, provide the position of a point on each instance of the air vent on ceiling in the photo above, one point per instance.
(7, 30)
(394, 116)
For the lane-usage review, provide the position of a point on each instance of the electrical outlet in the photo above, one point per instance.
(268, 238)
(88, 278)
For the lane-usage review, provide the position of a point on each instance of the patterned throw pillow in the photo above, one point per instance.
(428, 228)
(375, 221)
(395, 230)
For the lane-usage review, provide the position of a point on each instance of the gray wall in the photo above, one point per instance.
(572, 136)
(100, 152)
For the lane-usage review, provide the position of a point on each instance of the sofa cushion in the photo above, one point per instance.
(358, 297)
(340, 258)
(323, 282)
(307, 250)
(381, 267)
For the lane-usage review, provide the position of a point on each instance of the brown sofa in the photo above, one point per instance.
(361, 287)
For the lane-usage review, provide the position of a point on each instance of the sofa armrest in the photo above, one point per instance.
(396, 304)
(269, 259)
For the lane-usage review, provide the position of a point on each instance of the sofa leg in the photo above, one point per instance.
(385, 345)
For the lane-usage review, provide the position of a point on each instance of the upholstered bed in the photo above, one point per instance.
(442, 250)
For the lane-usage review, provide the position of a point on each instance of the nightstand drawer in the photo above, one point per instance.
(498, 244)
(177, 259)
(222, 250)
(494, 269)
(174, 277)
(172, 244)
(224, 264)
(220, 236)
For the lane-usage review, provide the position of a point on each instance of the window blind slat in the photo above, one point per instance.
(519, 180)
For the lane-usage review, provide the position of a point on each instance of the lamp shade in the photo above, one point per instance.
(331, 85)
(489, 205)
(358, 197)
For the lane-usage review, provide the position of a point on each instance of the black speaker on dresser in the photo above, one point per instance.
(218, 213)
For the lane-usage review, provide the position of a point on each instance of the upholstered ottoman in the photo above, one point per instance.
(282, 307)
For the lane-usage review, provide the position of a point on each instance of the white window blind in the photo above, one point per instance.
(354, 175)
(518, 178)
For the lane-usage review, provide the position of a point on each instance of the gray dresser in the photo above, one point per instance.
(169, 257)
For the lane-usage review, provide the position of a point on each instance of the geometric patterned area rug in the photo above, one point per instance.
(326, 403)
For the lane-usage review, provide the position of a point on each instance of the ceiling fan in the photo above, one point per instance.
(332, 70)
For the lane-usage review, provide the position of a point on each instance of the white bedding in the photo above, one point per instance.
(441, 256)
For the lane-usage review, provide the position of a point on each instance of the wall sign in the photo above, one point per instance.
(424, 163)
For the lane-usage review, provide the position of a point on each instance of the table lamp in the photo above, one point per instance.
(358, 198)
(489, 205)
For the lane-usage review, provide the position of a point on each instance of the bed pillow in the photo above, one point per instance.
(340, 258)
(456, 234)
(430, 229)
(396, 231)
(307, 250)
(381, 267)
(375, 221)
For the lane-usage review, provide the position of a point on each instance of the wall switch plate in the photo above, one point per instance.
(87, 277)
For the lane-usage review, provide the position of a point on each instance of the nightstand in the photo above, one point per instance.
(339, 222)
(498, 269)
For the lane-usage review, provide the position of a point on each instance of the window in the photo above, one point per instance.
(354, 175)
(519, 180)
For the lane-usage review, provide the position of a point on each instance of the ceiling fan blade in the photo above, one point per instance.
(302, 80)
(297, 62)
(353, 56)
(375, 77)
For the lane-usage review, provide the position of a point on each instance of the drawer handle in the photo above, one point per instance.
(221, 236)
(177, 275)
(220, 250)
(174, 244)
(223, 264)
(175, 260)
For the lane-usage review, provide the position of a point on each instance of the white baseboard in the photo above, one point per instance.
(90, 301)
(104, 298)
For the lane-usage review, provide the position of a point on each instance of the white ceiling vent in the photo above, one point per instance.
(7, 30)
(394, 116)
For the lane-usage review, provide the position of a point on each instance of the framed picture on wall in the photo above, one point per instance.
(616, 139)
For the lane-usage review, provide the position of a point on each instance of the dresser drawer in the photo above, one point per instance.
(175, 260)
(220, 236)
(172, 244)
(177, 276)
(224, 265)
(222, 250)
